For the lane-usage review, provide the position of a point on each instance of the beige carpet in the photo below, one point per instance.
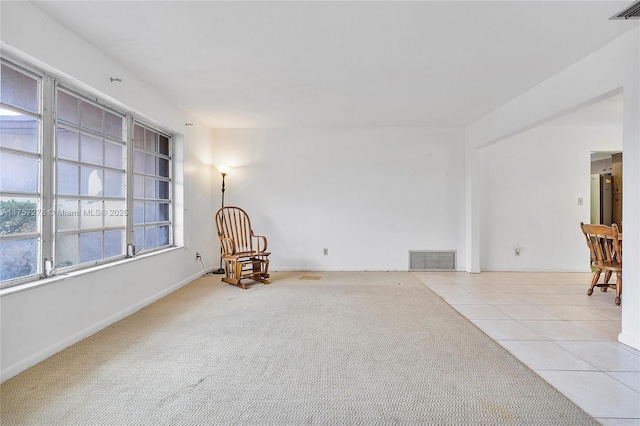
(357, 348)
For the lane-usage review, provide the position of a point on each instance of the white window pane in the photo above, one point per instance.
(138, 161)
(138, 213)
(150, 212)
(90, 247)
(151, 141)
(115, 213)
(67, 214)
(163, 145)
(67, 110)
(113, 184)
(66, 250)
(18, 173)
(18, 258)
(138, 187)
(163, 236)
(113, 243)
(113, 155)
(138, 238)
(91, 214)
(138, 136)
(150, 164)
(150, 188)
(91, 150)
(67, 178)
(18, 215)
(91, 181)
(163, 190)
(90, 117)
(19, 132)
(163, 167)
(113, 125)
(18, 89)
(163, 212)
(150, 237)
(67, 144)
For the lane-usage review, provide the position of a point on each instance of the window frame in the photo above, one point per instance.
(79, 231)
(47, 196)
(38, 155)
(133, 199)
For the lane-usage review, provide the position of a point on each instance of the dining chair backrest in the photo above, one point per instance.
(604, 243)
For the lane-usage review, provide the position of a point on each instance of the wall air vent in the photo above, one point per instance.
(632, 12)
(425, 260)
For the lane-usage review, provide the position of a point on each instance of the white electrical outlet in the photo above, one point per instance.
(325, 251)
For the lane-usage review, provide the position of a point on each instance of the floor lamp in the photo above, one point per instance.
(223, 171)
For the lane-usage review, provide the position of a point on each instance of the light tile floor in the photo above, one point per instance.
(549, 323)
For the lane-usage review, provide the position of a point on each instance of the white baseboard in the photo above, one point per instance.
(582, 270)
(633, 342)
(390, 269)
(315, 269)
(19, 367)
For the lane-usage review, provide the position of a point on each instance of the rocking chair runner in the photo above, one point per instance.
(244, 254)
(605, 246)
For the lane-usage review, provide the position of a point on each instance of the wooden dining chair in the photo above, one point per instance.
(244, 254)
(605, 246)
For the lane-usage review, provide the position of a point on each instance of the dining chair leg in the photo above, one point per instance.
(594, 281)
(618, 299)
(607, 277)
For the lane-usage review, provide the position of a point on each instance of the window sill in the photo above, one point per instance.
(73, 274)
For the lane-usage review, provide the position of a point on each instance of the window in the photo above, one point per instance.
(65, 176)
(20, 170)
(91, 207)
(151, 189)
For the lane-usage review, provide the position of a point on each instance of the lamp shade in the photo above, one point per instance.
(223, 169)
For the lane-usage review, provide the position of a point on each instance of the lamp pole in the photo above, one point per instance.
(223, 176)
(223, 171)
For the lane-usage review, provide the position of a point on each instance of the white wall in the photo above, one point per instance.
(40, 321)
(531, 183)
(630, 334)
(613, 67)
(369, 195)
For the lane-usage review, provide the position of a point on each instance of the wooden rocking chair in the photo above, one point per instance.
(244, 254)
(605, 246)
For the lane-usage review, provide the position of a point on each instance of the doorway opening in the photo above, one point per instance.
(606, 188)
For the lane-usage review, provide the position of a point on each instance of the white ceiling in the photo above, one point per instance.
(301, 64)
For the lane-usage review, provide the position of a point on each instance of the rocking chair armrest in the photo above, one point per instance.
(228, 246)
(260, 239)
